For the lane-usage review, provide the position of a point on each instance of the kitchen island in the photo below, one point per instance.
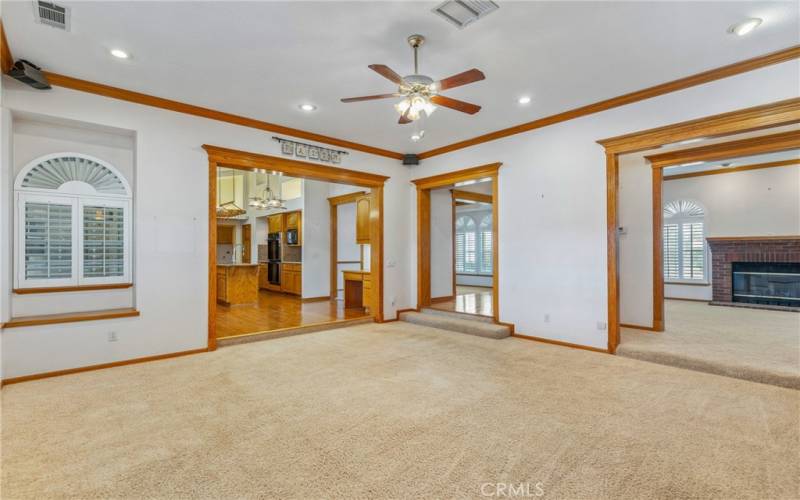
(237, 284)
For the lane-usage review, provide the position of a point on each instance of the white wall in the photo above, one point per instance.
(762, 202)
(552, 203)
(441, 243)
(171, 227)
(316, 248)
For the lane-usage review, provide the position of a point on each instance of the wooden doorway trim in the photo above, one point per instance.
(714, 152)
(424, 187)
(231, 158)
(334, 202)
(776, 114)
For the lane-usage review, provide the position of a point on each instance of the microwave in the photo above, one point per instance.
(291, 237)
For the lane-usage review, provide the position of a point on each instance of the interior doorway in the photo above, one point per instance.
(457, 241)
(244, 303)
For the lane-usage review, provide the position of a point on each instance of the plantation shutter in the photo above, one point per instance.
(470, 252)
(671, 269)
(48, 240)
(460, 252)
(693, 250)
(486, 252)
(103, 241)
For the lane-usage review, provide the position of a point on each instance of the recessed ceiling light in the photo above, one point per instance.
(119, 54)
(524, 99)
(745, 26)
(307, 107)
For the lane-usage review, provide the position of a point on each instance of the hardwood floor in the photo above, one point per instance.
(278, 310)
(470, 300)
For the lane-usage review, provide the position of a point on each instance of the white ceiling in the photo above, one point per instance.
(262, 59)
(734, 162)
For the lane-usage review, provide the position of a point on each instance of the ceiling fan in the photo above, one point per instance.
(420, 93)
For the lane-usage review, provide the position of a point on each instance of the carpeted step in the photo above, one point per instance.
(446, 322)
(458, 315)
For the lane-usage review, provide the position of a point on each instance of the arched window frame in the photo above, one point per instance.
(685, 251)
(474, 228)
(81, 198)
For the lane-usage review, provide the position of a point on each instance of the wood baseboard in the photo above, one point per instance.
(638, 327)
(70, 371)
(436, 300)
(559, 343)
(688, 300)
(318, 299)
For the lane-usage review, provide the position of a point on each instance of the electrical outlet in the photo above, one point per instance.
(112, 336)
(547, 318)
(601, 325)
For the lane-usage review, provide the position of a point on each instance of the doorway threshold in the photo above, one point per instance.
(289, 331)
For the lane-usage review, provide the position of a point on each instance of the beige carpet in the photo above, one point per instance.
(398, 410)
(751, 344)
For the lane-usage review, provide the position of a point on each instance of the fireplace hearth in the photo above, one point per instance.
(761, 272)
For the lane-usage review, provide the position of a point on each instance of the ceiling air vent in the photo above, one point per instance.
(465, 12)
(51, 14)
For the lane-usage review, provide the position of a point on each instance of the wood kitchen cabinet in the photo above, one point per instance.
(224, 235)
(263, 276)
(362, 220)
(293, 220)
(275, 223)
(357, 289)
(292, 278)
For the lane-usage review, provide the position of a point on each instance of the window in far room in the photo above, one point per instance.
(73, 223)
(474, 244)
(684, 241)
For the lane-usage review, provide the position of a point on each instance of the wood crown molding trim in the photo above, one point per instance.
(190, 109)
(449, 178)
(82, 288)
(743, 168)
(469, 195)
(6, 59)
(54, 319)
(732, 149)
(762, 61)
(775, 114)
(346, 198)
(70, 371)
(295, 168)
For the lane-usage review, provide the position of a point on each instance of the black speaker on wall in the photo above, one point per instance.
(29, 74)
(410, 159)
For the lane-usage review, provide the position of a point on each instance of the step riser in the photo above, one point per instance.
(477, 328)
(458, 315)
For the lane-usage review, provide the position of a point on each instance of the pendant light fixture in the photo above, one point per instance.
(228, 209)
(268, 200)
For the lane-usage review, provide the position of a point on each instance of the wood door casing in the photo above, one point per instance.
(363, 207)
(247, 241)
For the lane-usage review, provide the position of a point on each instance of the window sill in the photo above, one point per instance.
(80, 288)
(475, 274)
(52, 319)
(688, 283)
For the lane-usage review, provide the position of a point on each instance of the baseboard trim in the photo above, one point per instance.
(70, 371)
(559, 343)
(317, 299)
(436, 300)
(639, 327)
(401, 311)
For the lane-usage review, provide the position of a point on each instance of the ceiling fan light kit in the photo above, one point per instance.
(420, 92)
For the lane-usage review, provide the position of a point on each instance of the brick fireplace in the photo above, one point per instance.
(756, 271)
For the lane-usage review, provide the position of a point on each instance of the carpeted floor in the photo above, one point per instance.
(751, 344)
(399, 410)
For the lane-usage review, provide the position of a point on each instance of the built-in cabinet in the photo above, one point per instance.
(263, 276)
(275, 223)
(293, 221)
(357, 289)
(292, 278)
(224, 235)
(362, 220)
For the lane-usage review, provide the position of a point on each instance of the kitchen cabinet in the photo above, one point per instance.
(263, 276)
(224, 235)
(292, 278)
(293, 221)
(357, 289)
(237, 283)
(362, 220)
(275, 223)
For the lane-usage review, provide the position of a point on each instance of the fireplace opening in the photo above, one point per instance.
(768, 283)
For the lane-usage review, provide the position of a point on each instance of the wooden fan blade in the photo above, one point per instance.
(462, 106)
(404, 118)
(469, 76)
(387, 72)
(370, 97)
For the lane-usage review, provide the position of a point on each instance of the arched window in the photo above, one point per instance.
(466, 245)
(684, 241)
(73, 223)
